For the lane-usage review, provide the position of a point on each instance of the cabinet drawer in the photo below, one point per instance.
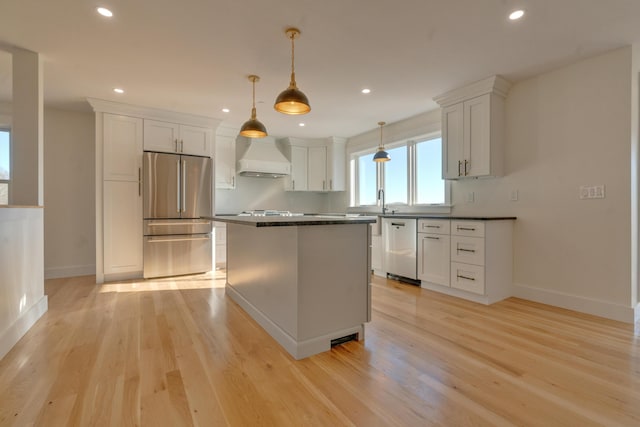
(467, 249)
(467, 277)
(467, 228)
(434, 226)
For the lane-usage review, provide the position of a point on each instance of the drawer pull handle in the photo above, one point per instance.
(431, 237)
(432, 226)
(466, 278)
(399, 224)
(466, 228)
(466, 250)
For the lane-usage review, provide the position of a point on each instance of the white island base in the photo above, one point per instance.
(306, 285)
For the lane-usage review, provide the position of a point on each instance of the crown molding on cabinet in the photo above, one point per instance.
(103, 106)
(494, 84)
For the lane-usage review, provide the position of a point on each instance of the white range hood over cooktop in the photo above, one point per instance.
(261, 158)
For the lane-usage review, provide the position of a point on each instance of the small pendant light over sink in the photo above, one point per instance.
(292, 100)
(381, 155)
(252, 128)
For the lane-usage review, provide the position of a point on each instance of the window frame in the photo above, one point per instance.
(8, 181)
(412, 190)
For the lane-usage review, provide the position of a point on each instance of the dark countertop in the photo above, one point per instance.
(446, 216)
(284, 221)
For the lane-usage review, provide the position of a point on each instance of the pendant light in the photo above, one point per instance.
(381, 155)
(292, 100)
(252, 128)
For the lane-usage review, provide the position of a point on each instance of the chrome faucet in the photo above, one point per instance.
(381, 197)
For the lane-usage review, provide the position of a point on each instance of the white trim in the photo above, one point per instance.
(595, 307)
(13, 333)
(69, 271)
(297, 349)
(103, 106)
(494, 84)
(636, 317)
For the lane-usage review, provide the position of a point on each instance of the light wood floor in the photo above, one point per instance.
(180, 353)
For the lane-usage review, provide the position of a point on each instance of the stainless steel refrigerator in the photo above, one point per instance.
(177, 193)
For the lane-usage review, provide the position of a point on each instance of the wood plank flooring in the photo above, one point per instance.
(177, 352)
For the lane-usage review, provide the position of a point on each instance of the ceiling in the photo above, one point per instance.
(194, 56)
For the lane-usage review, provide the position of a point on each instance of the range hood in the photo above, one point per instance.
(261, 158)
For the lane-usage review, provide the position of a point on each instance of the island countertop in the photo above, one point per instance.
(292, 221)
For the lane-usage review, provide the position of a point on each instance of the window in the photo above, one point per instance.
(5, 165)
(430, 187)
(396, 176)
(412, 177)
(367, 181)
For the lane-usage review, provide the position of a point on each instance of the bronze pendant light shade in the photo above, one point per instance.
(252, 128)
(292, 100)
(381, 155)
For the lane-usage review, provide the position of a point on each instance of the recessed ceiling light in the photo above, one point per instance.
(225, 110)
(366, 90)
(516, 14)
(301, 124)
(105, 12)
(118, 90)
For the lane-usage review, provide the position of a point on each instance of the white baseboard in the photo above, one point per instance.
(636, 317)
(297, 349)
(69, 271)
(12, 335)
(600, 308)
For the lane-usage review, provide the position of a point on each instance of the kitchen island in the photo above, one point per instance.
(304, 279)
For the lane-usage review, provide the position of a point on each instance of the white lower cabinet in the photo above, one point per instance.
(122, 224)
(434, 251)
(478, 260)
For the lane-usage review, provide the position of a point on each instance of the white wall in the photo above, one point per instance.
(69, 193)
(564, 129)
(267, 193)
(22, 298)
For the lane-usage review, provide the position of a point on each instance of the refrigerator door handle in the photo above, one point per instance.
(178, 186)
(176, 239)
(184, 185)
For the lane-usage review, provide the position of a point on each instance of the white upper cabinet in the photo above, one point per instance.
(123, 147)
(225, 158)
(473, 129)
(317, 168)
(177, 138)
(298, 181)
(316, 164)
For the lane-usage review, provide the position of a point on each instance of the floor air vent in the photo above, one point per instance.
(342, 340)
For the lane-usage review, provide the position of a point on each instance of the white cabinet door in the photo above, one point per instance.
(477, 136)
(434, 258)
(195, 140)
(336, 165)
(169, 137)
(317, 169)
(452, 140)
(299, 167)
(122, 227)
(467, 277)
(225, 162)
(122, 147)
(161, 136)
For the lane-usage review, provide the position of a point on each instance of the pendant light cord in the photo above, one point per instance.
(293, 73)
(381, 146)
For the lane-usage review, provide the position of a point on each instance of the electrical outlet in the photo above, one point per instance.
(513, 196)
(471, 197)
(592, 192)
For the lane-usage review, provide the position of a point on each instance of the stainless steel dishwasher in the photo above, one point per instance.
(400, 247)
